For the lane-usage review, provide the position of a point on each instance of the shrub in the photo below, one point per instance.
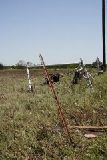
(1, 66)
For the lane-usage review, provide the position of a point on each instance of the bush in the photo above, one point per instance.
(1, 66)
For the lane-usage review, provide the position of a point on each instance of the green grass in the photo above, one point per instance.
(30, 125)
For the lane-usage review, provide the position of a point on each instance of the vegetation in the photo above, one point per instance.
(22, 65)
(30, 127)
(1, 66)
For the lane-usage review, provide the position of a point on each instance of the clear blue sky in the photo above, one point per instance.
(61, 30)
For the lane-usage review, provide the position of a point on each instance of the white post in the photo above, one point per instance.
(29, 80)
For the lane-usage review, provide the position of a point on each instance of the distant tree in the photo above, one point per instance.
(30, 64)
(21, 64)
(1, 66)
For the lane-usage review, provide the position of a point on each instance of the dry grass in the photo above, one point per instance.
(30, 127)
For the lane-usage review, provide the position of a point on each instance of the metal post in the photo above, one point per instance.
(60, 109)
(103, 34)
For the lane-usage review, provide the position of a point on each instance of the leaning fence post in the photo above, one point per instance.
(60, 109)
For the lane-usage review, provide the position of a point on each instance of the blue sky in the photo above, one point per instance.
(63, 31)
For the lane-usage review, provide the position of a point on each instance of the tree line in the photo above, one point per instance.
(22, 65)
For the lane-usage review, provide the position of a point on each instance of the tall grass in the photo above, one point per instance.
(29, 124)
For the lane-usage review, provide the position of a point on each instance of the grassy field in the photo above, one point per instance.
(30, 128)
